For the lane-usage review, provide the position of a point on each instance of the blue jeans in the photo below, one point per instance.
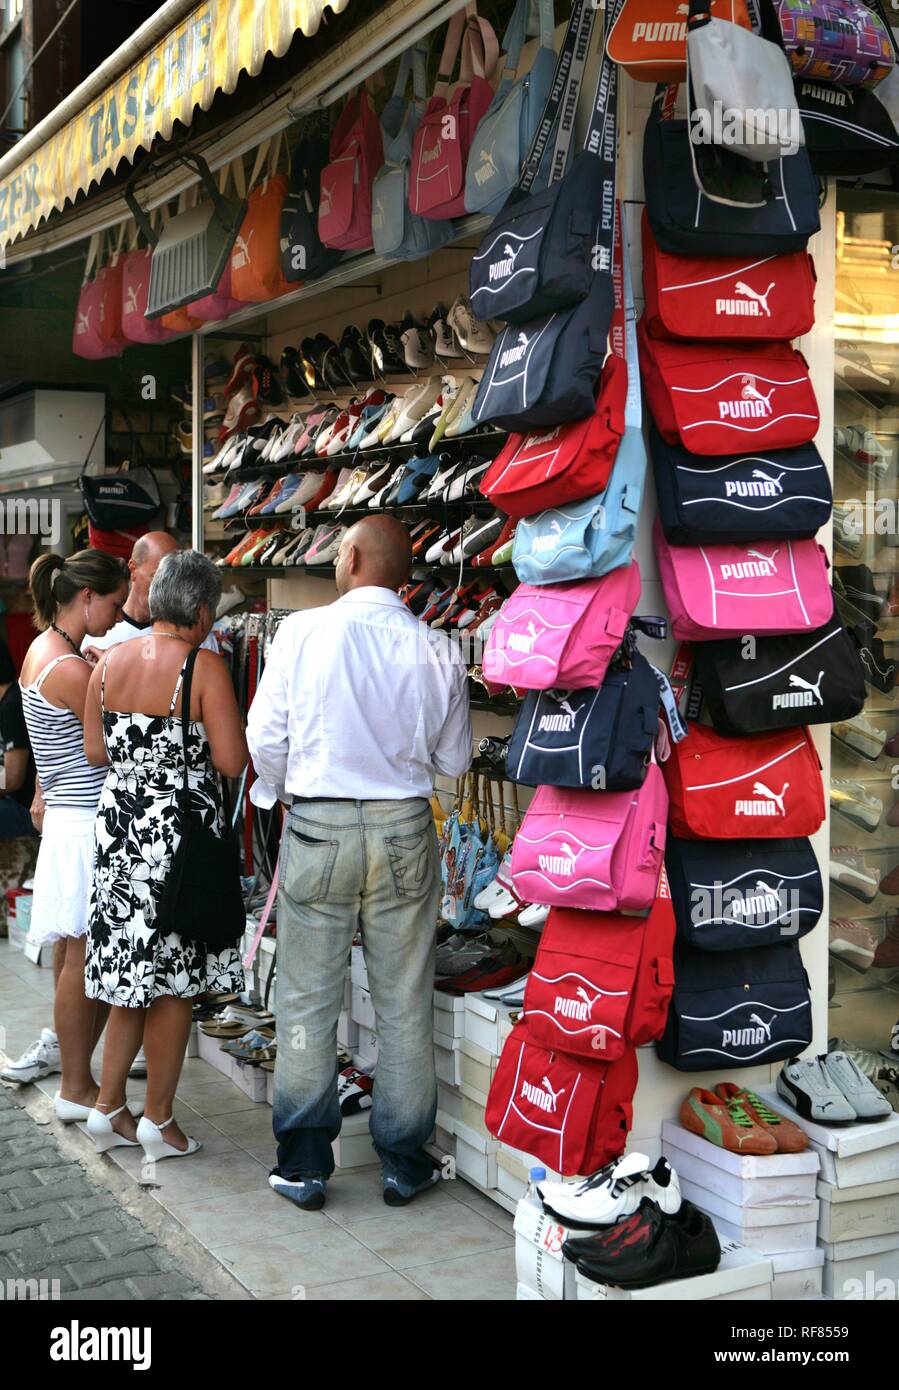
(15, 820)
(345, 865)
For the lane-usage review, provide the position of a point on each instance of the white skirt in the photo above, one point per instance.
(62, 879)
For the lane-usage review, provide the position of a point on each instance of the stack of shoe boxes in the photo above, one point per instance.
(767, 1203)
(362, 1014)
(742, 1276)
(540, 1267)
(858, 1191)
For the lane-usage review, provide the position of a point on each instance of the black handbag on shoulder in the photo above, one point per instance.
(202, 899)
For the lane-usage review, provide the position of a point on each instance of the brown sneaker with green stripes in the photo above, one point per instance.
(725, 1123)
(790, 1139)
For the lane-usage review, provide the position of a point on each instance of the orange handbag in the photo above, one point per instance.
(256, 256)
(649, 37)
(179, 320)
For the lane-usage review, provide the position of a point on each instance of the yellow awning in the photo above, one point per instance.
(204, 54)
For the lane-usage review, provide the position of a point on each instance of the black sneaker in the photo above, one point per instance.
(880, 671)
(400, 1194)
(295, 382)
(356, 361)
(266, 387)
(386, 348)
(307, 1193)
(330, 361)
(649, 1248)
(857, 584)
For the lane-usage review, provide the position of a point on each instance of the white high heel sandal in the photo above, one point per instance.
(155, 1147)
(99, 1127)
(69, 1112)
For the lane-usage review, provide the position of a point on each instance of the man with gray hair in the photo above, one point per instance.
(359, 706)
(145, 557)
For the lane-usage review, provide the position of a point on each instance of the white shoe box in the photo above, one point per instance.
(347, 1031)
(449, 1100)
(473, 1163)
(471, 1114)
(743, 1275)
(769, 1229)
(861, 1169)
(362, 1009)
(366, 1055)
(798, 1274)
(448, 1059)
(487, 1023)
(508, 1183)
(855, 1213)
(449, 1014)
(358, 968)
(853, 1267)
(251, 1080)
(525, 1295)
(519, 1164)
(353, 1147)
(743, 1179)
(444, 1140)
(478, 1068)
(851, 1155)
(539, 1262)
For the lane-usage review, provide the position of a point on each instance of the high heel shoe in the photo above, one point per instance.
(99, 1127)
(69, 1112)
(155, 1147)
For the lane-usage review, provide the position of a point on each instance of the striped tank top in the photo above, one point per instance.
(57, 742)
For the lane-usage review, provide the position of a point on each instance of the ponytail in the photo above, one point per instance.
(54, 582)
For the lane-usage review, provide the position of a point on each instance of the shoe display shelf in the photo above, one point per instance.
(484, 442)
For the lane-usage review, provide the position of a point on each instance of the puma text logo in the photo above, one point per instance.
(763, 486)
(525, 641)
(753, 305)
(748, 1037)
(758, 903)
(771, 806)
(488, 166)
(751, 403)
(578, 1008)
(562, 865)
(544, 1097)
(559, 723)
(759, 566)
(549, 541)
(803, 692)
(515, 354)
(500, 270)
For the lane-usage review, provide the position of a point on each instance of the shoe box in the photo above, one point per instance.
(365, 1056)
(740, 1179)
(742, 1276)
(798, 1275)
(539, 1263)
(448, 1058)
(353, 1147)
(852, 1268)
(513, 1172)
(487, 1023)
(449, 1014)
(855, 1213)
(478, 1067)
(852, 1155)
(251, 1080)
(776, 1229)
(347, 1031)
(362, 1010)
(358, 968)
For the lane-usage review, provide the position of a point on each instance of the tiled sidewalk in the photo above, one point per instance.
(452, 1243)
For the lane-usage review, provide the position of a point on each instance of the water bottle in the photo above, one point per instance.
(535, 1176)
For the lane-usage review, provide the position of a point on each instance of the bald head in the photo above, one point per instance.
(144, 562)
(376, 550)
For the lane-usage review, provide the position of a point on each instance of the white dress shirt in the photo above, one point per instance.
(127, 628)
(358, 699)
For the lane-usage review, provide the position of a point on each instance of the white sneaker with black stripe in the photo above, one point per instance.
(614, 1192)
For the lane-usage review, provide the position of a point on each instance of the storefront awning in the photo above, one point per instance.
(203, 54)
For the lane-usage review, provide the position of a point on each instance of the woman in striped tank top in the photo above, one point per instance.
(80, 597)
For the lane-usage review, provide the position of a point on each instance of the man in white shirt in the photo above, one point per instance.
(360, 704)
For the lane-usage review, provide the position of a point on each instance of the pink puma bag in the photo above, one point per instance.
(561, 634)
(730, 590)
(596, 850)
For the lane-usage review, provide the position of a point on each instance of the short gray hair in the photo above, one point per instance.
(183, 582)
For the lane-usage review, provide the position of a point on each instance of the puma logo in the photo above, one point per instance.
(543, 1096)
(562, 865)
(748, 1037)
(752, 305)
(760, 485)
(514, 354)
(502, 269)
(562, 723)
(752, 403)
(549, 540)
(578, 1008)
(802, 692)
(772, 805)
(488, 167)
(241, 254)
(84, 321)
(756, 566)
(131, 300)
(525, 641)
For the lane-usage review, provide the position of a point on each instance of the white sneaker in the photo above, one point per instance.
(418, 346)
(473, 335)
(412, 407)
(867, 1102)
(861, 734)
(39, 1060)
(811, 1091)
(614, 1192)
(445, 344)
(535, 914)
(856, 803)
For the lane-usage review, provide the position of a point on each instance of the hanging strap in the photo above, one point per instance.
(529, 18)
(187, 677)
(561, 104)
(633, 410)
(93, 252)
(266, 913)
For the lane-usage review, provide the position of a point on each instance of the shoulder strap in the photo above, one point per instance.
(186, 682)
(561, 103)
(103, 680)
(51, 665)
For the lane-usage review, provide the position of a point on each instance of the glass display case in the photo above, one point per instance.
(864, 849)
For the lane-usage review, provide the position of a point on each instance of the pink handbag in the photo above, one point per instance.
(596, 850)
(221, 303)
(561, 634)
(446, 130)
(136, 327)
(357, 152)
(730, 590)
(98, 316)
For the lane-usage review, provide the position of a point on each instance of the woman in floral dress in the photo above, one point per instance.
(133, 723)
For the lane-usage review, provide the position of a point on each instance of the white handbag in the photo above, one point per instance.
(740, 87)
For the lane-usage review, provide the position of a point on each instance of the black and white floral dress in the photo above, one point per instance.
(128, 962)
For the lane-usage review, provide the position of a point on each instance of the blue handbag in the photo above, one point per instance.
(397, 232)
(588, 738)
(505, 133)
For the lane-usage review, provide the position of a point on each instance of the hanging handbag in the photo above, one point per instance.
(732, 894)
(760, 495)
(716, 400)
(687, 223)
(732, 70)
(505, 133)
(303, 255)
(117, 501)
(136, 267)
(737, 1008)
(444, 135)
(716, 591)
(842, 41)
(764, 787)
(649, 37)
(588, 738)
(256, 274)
(848, 130)
(202, 899)
(396, 230)
(544, 250)
(221, 303)
(98, 316)
(771, 298)
(781, 682)
(356, 155)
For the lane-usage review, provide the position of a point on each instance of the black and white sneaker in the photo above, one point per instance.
(307, 1193)
(812, 1092)
(614, 1192)
(853, 873)
(867, 1102)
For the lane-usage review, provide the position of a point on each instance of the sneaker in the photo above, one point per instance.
(790, 1139)
(863, 1096)
(243, 361)
(846, 533)
(856, 803)
(37, 1061)
(533, 916)
(323, 550)
(811, 1091)
(853, 943)
(308, 486)
(886, 954)
(354, 1091)
(410, 408)
(445, 344)
(473, 335)
(418, 344)
(307, 1193)
(462, 951)
(862, 448)
(648, 1247)
(386, 348)
(725, 1123)
(856, 584)
(862, 735)
(243, 409)
(614, 1192)
(853, 873)
(880, 1068)
(400, 1194)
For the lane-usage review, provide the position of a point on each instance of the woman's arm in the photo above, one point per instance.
(38, 807)
(220, 715)
(92, 717)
